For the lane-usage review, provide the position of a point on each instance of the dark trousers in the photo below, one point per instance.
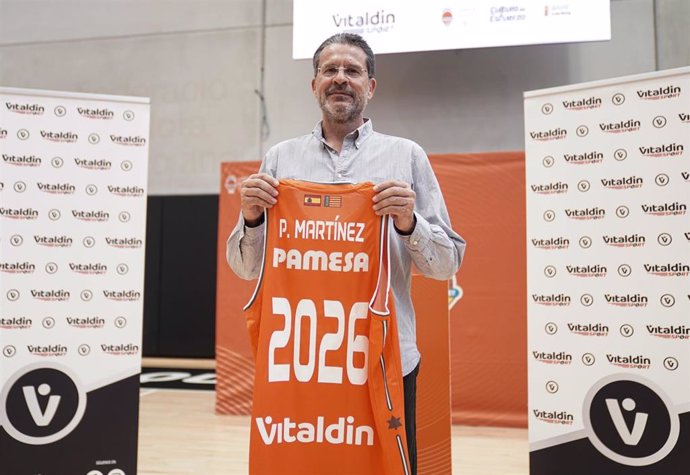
(410, 390)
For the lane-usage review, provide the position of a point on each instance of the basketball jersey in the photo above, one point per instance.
(328, 391)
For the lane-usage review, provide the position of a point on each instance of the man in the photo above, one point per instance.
(344, 147)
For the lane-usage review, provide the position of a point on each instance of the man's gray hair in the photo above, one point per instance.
(347, 39)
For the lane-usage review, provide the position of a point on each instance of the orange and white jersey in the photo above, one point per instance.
(328, 390)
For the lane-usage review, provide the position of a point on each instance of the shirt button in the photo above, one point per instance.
(340, 175)
(415, 242)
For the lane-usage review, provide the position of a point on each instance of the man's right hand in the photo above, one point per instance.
(256, 193)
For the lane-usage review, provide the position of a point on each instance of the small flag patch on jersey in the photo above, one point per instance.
(312, 200)
(333, 201)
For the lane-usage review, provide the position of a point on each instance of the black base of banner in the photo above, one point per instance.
(581, 457)
(104, 440)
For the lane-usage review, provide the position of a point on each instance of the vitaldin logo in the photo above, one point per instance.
(41, 404)
(343, 431)
(630, 420)
(583, 104)
(554, 417)
(667, 92)
(369, 19)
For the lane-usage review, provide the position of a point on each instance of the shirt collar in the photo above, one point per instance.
(361, 133)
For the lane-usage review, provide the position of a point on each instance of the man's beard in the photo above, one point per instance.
(342, 112)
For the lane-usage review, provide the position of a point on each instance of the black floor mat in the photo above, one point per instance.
(173, 378)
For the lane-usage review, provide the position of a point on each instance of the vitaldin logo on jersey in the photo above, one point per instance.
(342, 431)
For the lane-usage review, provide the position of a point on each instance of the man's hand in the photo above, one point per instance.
(256, 193)
(397, 199)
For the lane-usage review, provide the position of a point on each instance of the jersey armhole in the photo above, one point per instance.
(263, 263)
(379, 301)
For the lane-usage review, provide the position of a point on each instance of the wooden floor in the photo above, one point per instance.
(180, 434)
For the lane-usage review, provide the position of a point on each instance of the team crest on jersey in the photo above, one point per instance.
(312, 200)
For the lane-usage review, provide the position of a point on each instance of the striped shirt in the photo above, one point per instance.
(434, 248)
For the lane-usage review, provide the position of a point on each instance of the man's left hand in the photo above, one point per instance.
(396, 198)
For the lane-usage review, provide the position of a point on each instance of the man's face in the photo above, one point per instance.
(343, 96)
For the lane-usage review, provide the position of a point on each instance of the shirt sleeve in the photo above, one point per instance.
(244, 248)
(436, 250)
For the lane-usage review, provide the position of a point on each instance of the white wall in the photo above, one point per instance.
(673, 33)
(200, 62)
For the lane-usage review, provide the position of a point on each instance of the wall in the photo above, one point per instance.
(200, 62)
(673, 33)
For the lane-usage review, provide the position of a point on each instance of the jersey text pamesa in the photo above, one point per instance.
(317, 260)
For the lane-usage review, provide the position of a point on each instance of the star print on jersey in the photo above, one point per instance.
(394, 423)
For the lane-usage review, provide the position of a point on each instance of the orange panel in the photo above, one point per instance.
(485, 195)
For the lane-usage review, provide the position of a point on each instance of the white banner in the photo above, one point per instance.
(395, 26)
(608, 253)
(72, 229)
